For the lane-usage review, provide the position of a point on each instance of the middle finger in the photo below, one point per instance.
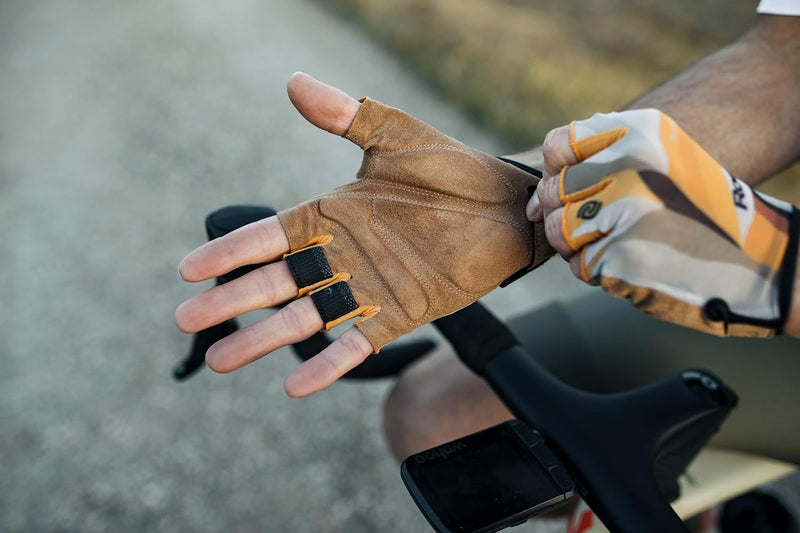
(267, 286)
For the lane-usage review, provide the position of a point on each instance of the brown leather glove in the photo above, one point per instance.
(429, 226)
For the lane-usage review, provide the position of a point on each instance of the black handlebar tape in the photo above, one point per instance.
(476, 335)
(219, 223)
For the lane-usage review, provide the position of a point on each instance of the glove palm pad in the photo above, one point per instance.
(429, 226)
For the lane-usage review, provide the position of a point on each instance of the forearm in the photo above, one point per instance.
(742, 103)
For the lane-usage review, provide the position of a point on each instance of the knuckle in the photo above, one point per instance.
(556, 149)
(548, 195)
(255, 340)
(267, 287)
(552, 228)
(269, 235)
(550, 152)
(355, 344)
(264, 234)
(291, 318)
(331, 363)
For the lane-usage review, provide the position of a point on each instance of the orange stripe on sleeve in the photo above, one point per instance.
(699, 177)
(768, 237)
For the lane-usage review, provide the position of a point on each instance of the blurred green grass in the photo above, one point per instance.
(522, 67)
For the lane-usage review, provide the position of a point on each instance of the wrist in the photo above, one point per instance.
(533, 157)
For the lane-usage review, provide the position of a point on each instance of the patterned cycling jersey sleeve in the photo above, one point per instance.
(779, 7)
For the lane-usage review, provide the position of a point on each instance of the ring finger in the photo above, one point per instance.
(293, 323)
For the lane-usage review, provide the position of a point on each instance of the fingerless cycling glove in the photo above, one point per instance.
(429, 226)
(658, 221)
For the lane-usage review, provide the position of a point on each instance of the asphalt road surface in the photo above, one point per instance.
(121, 125)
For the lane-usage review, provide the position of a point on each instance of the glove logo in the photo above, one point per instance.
(589, 210)
(738, 193)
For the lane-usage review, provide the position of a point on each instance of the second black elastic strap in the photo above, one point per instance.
(334, 302)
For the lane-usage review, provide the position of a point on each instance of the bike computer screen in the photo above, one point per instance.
(487, 481)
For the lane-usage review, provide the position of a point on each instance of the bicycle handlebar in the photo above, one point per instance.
(624, 450)
(610, 442)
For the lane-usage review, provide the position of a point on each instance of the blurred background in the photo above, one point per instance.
(122, 124)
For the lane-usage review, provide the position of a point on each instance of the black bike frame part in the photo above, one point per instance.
(219, 223)
(201, 342)
(492, 479)
(609, 442)
(225, 220)
(476, 335)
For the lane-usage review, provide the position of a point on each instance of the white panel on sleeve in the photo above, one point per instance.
(779, 7)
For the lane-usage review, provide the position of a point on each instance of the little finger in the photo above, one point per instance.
(343, 354)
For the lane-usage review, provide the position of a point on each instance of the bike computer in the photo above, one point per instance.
(484, 482)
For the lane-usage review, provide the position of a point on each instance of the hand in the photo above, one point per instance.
(636, 206)
(429, 226)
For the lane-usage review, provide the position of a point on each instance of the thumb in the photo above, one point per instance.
(324, 106)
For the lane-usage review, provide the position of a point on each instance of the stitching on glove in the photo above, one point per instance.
(480, 214)
(365, 312)
(492, 206)
(596, 143)
(449, 148)
(404, 258)
(419, 263)
(366, 265)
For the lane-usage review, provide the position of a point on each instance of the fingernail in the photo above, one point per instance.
(534, 208)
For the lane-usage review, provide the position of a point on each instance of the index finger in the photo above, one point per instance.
(259, 242)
